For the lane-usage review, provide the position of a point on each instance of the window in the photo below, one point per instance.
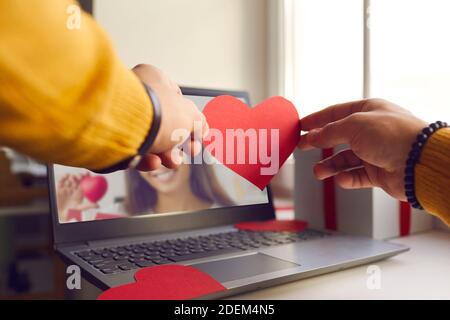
(327, 58)
(408, 55)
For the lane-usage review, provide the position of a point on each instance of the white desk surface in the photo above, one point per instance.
(421, 273)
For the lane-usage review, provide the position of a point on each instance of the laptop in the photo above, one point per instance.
(114, 224)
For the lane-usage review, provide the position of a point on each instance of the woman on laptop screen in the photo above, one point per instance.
(186, 188)
(84, 196)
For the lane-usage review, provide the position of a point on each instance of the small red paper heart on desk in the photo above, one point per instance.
(167, 282)
(273, 225)
(94, 188)
(253, 142)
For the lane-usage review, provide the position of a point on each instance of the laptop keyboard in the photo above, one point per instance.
(118, 259)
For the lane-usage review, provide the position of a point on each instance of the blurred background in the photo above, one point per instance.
(314, 52)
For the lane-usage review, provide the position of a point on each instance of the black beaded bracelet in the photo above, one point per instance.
(413, 158)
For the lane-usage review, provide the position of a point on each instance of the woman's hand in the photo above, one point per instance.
(379, 134)
(177, 111)
(69, 195)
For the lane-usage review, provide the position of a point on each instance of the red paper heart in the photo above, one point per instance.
(94, 187)
(273, 225)
(227, 112)
(168, 282)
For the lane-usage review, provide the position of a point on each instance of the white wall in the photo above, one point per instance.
(204, 43)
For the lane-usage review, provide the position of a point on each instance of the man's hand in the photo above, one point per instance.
(177, 111)
(380, 135)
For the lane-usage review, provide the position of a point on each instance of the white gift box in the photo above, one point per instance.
(370, 212)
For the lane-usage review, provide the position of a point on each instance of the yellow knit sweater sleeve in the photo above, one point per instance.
(432, 175)
(65, 97)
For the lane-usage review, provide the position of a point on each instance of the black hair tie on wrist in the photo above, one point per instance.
(149, 138)
(413, 158)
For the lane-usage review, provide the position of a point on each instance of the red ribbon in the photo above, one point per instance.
(405, 218)
(329, 197)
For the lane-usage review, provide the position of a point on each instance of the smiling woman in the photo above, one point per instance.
(186, 188)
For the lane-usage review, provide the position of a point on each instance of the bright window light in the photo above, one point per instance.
(328, 53)
(410, 55)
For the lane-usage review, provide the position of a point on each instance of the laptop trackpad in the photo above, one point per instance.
(243, 267)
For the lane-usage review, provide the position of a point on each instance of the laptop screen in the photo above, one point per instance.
(83, 196)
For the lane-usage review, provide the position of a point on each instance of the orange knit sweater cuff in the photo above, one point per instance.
(432, 175)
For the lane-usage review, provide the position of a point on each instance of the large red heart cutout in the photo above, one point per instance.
(94, 187)
(274, 116)
(167, 282)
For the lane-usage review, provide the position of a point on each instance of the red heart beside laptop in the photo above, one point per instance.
(253, 142)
